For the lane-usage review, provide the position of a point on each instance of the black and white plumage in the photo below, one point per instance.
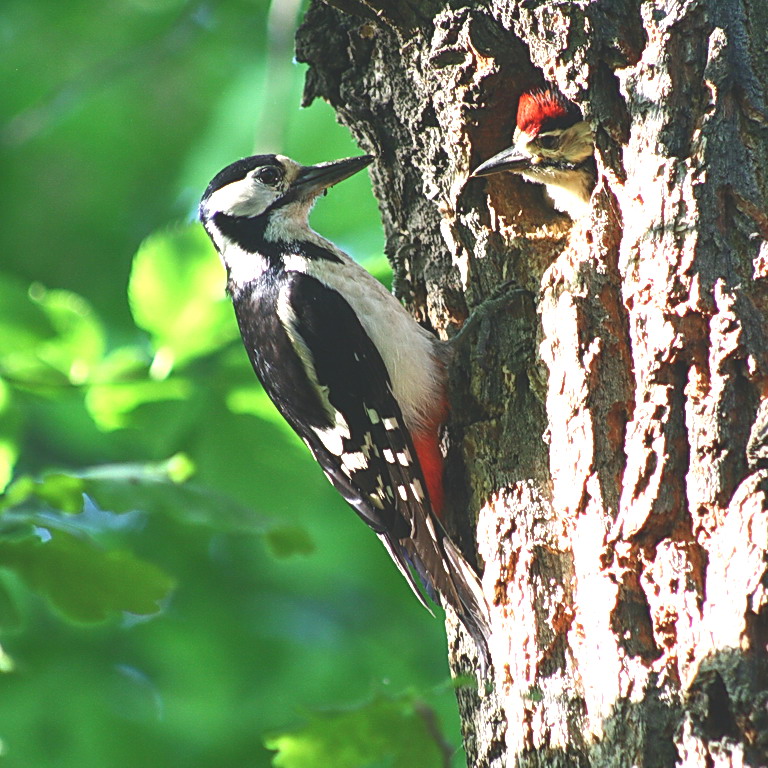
(552, 145)
(360, 381)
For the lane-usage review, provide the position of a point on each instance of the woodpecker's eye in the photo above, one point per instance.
(549, 141)
(269, 175)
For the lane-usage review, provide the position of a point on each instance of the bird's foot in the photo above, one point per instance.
(498, 299)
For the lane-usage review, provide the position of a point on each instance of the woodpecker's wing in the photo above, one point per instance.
(363, 446)
(360, 439)
(336, 393)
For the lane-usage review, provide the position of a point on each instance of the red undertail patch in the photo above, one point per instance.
(427, 448)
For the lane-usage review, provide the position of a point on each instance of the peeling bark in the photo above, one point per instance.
(598, 449)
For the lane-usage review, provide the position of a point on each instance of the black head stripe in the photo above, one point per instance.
(239, 170)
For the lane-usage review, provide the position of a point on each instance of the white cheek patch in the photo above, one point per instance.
(242, 198)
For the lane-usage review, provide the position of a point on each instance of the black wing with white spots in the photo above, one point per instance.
(364, 448)
(334, 390)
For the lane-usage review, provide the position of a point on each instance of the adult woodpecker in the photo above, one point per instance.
(552, 145)
(359, 380)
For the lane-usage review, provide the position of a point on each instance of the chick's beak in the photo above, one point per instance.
(509, 159)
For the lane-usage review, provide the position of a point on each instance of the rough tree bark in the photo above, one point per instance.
(599, 431)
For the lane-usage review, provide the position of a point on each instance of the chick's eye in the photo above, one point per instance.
(548, 141)
(269, 175)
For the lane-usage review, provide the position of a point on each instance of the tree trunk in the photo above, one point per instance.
(600, 425)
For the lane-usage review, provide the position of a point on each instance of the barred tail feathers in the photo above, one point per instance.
(406, 566)
(447, 578)
(475, 614)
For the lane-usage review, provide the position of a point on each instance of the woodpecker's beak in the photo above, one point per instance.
(313, 179)
(509, 159)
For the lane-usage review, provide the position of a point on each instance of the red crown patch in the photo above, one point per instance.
(545, 110)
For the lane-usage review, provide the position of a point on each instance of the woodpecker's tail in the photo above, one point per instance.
(472, 609)
(448, 578)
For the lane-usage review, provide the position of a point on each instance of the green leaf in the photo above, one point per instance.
(385, 731)
(23, 324)
(45, 332)
(10, 429)
(82, 581)
(255, 401)
(287, 540)
(158, 489)
(112, 404)
(121, 385)
(60, 491)
(80, 342)
(176, 293)
(7, 664)
(10, 618)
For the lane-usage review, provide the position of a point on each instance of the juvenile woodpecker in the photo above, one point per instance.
(552, 145)
(359, 380)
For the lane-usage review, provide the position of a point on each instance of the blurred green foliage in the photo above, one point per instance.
(179, 585)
